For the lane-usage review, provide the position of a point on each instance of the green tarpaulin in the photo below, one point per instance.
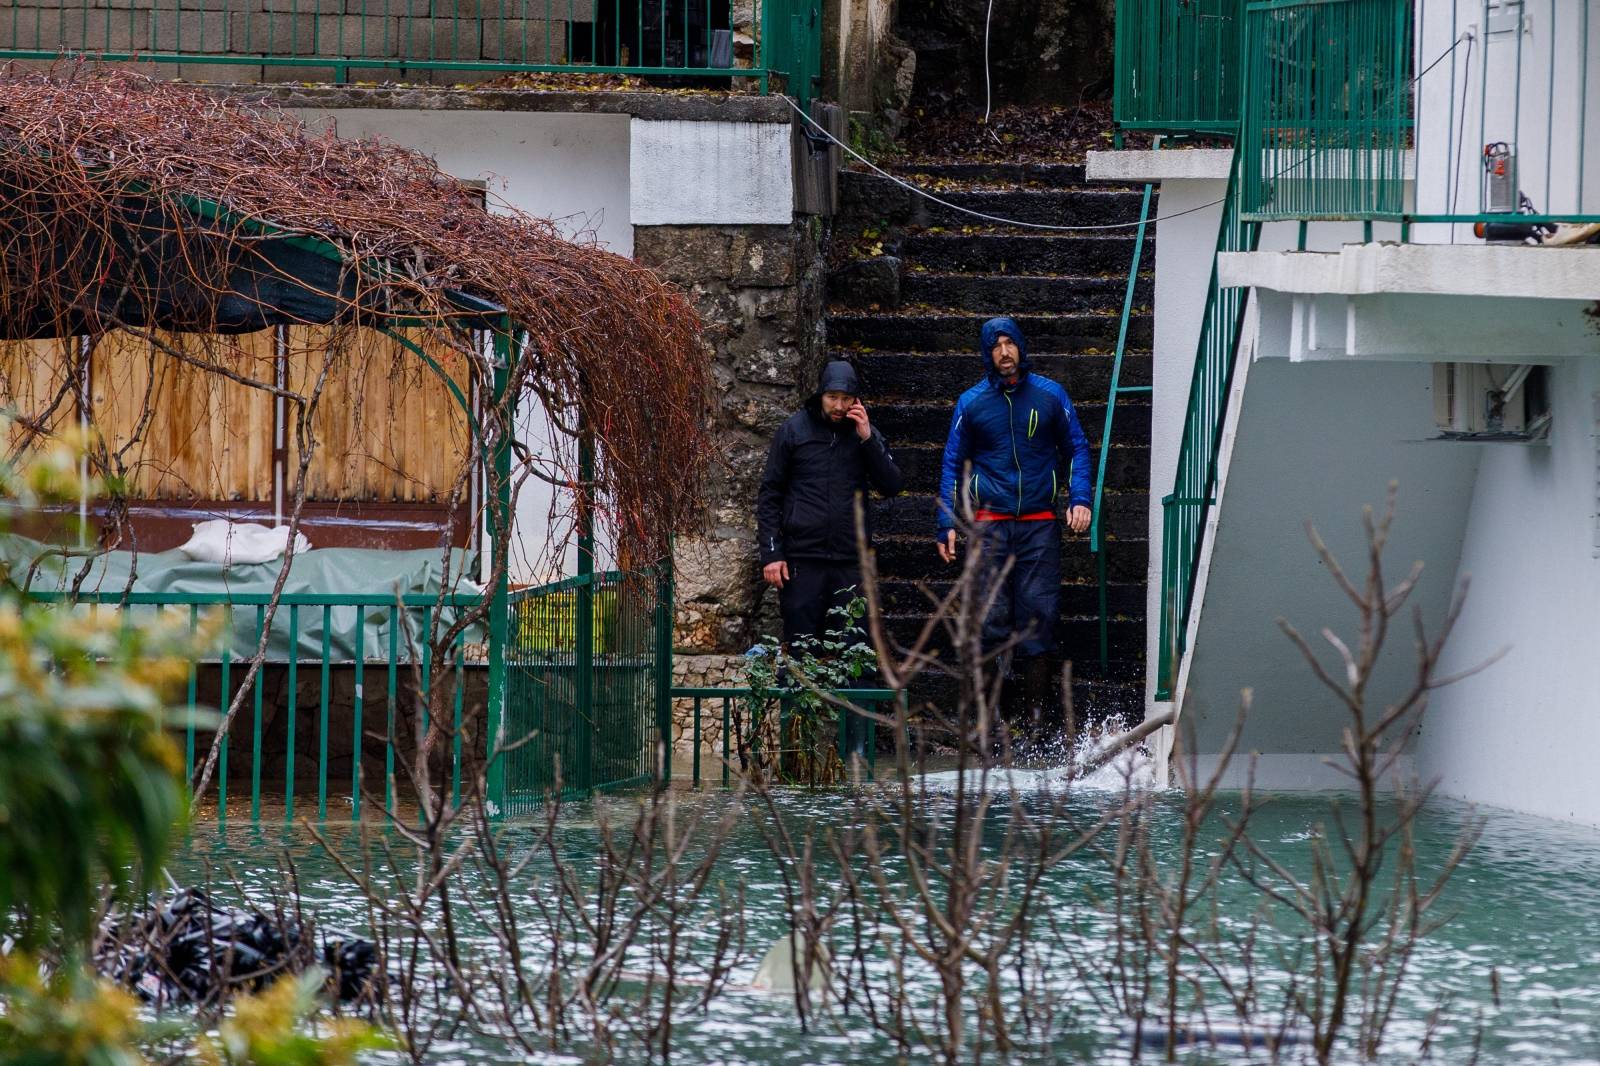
(350, 572)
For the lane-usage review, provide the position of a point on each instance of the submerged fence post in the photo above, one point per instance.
(583, 775)
(663, 676)
(499, 596)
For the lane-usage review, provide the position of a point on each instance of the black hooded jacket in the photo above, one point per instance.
(815, 468)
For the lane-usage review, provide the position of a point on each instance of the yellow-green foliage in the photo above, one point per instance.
(90, 779)
(279, 1027)
(68, 1020)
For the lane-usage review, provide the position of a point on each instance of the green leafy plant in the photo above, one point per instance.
(793, 729)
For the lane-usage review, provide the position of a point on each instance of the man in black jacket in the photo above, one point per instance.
(820, 460)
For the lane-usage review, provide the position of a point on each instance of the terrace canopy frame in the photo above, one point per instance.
(112, 220)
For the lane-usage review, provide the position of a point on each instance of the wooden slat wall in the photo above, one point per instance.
(388, 429)
(208, 437)
(31, 375)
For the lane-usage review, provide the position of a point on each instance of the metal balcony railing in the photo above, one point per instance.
(430, 40)
(1488, 103)
(1178, 65)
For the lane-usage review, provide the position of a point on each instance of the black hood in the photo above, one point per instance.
(838, 376)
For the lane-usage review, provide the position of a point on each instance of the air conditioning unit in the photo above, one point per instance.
(1491, 401)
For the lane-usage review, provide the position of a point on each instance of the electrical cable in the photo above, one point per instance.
(987, 98)
(1101, 228)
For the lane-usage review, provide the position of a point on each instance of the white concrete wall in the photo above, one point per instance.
(1475, 95)
(1315, 442)
(1185, 245)
(1524, 732)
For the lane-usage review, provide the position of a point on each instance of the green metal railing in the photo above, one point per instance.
(408, 38)
(1117, 389)
(1327, 119)
(1178, 65)
(588, 667)
(338, 644)
(1184, 511)
(1488, 103)
(864, 697)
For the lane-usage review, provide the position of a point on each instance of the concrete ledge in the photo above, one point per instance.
(707, 107)
(1177, 164)
(1490, 270)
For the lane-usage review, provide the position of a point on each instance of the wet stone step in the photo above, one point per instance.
(1127, 467)
(1124, 600)
(914, 558)
(1050, 175)
(958, 332)
(925, 423)
(870, 198)
(1077, 639)
(888, 375)
(912, 515)
(1005, 253)
(1006, 293)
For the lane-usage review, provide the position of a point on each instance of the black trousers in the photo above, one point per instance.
(815, 587)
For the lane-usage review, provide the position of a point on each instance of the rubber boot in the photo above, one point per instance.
(1040, 705)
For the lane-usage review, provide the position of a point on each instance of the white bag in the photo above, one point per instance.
(239, 543)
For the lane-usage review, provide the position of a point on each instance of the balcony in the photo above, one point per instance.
(1178, 65)
(1490, 97)
(764, 44)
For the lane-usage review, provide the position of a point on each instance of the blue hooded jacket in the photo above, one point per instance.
(1023, 442)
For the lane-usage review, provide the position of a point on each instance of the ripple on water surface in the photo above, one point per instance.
(1525, 907)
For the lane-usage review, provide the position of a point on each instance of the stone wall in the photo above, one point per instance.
(759, 290)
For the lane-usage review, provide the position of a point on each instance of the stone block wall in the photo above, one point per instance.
(759, 290)
(530, 32)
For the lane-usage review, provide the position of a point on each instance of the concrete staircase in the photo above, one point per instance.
(907, 301)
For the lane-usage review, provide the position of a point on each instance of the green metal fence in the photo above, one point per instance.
(1178, 65)
(1184, 511)
(1096, 544)
(422, 40)
(588, 668)
(337, 692)
(1327, 116)
(869, 698)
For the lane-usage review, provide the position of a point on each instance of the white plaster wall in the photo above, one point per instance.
(1316, 442)
(567, 167)
(1524, 732)
(1474, 95)
(732, 173)
(570, 168)
(1185, 246)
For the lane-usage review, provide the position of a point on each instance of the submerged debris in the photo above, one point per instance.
(187, 949)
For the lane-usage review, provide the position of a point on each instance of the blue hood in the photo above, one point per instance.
(991, 333)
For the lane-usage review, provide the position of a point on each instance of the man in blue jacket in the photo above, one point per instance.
(1015, 450)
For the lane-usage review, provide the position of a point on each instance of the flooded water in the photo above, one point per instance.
(1514, 977)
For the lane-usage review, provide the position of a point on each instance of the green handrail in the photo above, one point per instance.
(1116, 389)
(727, 694)
(1194, 485)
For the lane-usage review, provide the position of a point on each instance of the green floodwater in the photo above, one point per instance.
(1526, 907)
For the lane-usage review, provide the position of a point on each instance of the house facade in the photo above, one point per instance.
(1400, 290)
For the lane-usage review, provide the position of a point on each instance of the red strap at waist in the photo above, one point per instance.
(995, 516)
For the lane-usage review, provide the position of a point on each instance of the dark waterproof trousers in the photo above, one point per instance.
(1030, 592)
(815, 587)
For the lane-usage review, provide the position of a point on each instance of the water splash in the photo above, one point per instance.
(1081, 767)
